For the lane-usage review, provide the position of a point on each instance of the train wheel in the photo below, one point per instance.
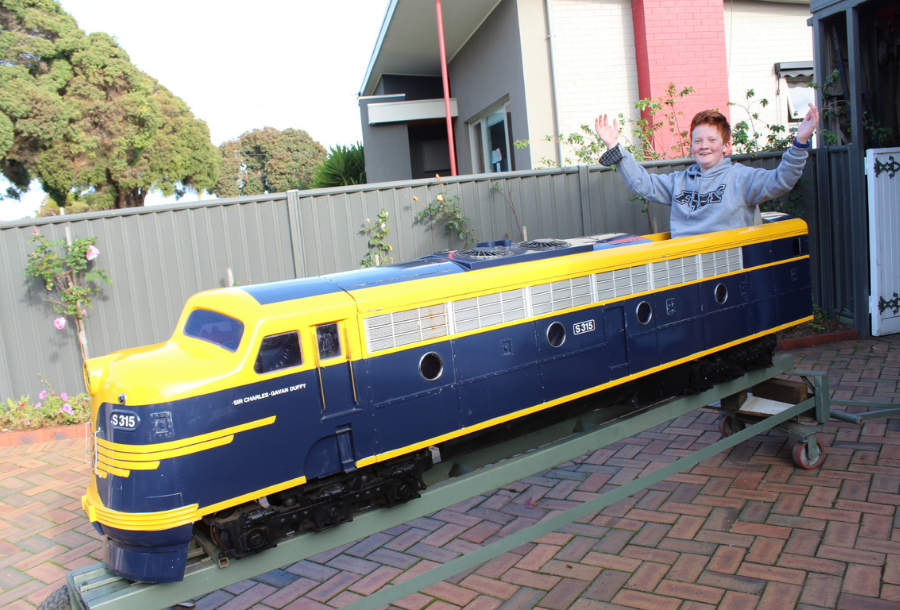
(801, 456)
(58, 600)
(331, 514)
(730, 425)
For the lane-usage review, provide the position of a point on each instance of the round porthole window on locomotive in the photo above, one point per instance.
(644, 312)
(431, 366)
(721, 293)
(556, 334)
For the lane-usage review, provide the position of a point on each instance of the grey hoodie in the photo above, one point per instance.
(724, 197)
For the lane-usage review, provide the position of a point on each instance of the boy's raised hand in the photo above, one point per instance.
(608, 132)
(808, 126)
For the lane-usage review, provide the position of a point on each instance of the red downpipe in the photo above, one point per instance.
(440, 27)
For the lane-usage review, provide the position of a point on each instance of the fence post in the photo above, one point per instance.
(584, 196)
(293, 208)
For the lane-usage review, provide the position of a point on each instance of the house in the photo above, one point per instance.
(524, 69)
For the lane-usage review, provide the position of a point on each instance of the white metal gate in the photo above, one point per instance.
(883, 172)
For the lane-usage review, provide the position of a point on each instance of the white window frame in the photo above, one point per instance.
(481, 158)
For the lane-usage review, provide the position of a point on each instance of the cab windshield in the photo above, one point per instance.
(215, 327)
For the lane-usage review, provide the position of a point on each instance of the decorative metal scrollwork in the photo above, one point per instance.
(893, 167)
(893, 304)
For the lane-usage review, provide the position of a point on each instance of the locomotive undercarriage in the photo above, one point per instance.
(255, 526)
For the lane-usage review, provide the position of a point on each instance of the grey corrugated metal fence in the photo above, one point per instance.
(159, 256)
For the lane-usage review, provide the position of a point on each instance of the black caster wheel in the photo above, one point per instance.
(801, 456)
(730, 425)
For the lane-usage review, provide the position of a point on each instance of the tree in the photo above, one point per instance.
(85, 122)
(343, 166)
(267, 161)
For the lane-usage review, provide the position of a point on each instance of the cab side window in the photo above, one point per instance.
(278, 352)
(329, 341)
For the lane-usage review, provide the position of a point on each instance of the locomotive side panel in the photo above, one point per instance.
(679, 322)
(497, 372)
(412, 394)
(725, 304)
(572, 349)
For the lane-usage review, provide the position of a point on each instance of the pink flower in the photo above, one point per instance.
(42, 395)
(66, 408)
(35, 231)
(91, 253)
(59, 323)
(37, 406)
(64, 397)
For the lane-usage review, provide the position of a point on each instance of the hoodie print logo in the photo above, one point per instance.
(696, 201)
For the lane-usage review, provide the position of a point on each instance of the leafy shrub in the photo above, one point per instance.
(342, 167)
(52, 410)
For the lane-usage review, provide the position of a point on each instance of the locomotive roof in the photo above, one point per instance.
(484, 255)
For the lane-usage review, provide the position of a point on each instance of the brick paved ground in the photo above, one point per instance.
(745, 529)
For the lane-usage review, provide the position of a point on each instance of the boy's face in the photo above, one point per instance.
(707, 146)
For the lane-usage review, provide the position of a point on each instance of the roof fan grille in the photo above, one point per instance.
(482, 253)
(544, 244)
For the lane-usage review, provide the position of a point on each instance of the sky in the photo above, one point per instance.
(242, 66)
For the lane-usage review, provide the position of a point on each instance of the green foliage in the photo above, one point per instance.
(834, 115)
(52, 409)
(444, 209)
(342, 167)
(662, 117)
(746, 136)
(66, 277)
(86, 123)
(378, 248)
(267, 161)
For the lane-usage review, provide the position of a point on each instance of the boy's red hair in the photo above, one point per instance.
(714, 118)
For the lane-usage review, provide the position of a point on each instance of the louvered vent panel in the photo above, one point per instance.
(433, 321)
(690, 267)
(581, 291)
(661, 274)
(489, 310)
(735, 260)
(606, 288)
(623, 282)
(379, 333)
(513, 304)
(541, 301)
(465, 315)
(640, 279)
(708, 264)
(562, 295)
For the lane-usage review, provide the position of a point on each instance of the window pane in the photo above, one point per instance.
(278, 352)
(215, 327)
(800, 95)
(329, 341)
(497, 143)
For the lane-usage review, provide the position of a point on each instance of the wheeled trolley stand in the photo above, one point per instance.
(451, 482)
(774, 396)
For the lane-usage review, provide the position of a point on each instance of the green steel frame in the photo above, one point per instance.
(95, 587)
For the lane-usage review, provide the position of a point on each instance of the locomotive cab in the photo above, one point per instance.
(168, 419)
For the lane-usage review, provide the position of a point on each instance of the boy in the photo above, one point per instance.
(715, 194)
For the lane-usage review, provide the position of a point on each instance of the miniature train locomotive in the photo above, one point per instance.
(286, 406)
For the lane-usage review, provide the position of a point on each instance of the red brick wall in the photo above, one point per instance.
(682, 41)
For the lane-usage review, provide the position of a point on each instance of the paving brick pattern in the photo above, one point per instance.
(744, 529)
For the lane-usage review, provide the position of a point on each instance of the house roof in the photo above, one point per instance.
(408, 41)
